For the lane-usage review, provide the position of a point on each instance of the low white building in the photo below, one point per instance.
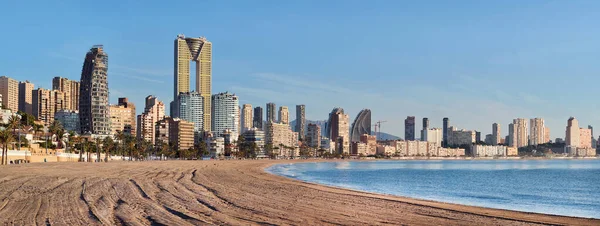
(216, 147)
(488, 150)
(434, 135)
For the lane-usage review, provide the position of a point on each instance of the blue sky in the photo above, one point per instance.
(477, 62)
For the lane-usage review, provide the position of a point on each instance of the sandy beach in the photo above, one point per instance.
(216, 192)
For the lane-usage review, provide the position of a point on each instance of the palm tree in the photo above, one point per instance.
(55, 128)
(108, 145)
(6, 138)
(14, 123)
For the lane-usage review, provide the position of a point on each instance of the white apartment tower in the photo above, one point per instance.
(246, 117)
(225, 113)
(284, 115)
(537, 131)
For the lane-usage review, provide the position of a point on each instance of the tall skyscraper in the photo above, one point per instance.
(313, 135)
(284, 115)
(300, 121)
(154, 111)
(9, 89)
(247, 119)
(572, 133)
(495, 134)
(512, 135)
(338, 130)
(585, 138)
(71, 90)
(361, 125)
(93, 99)
(271, 112)
(189, 107)
(199, 51)
(46, 103)
(424, 130)
(520, 130)
(257, 120)
(409, 128)
(446, 123)
(25, 98)
(225, 114)
(547, 135)
(537, 131)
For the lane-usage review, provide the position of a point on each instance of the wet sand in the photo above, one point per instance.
(216, 192)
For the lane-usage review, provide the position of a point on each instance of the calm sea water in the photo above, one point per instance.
(561, 187)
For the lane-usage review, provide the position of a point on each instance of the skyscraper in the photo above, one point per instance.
(338, 131)
(361, 125)
(313, 135)
(409, 128)
(495, 134)
(123, 101)
(154, 111)
(9, 89)
(189, 107)
(71, 90)
(512, 135)
(46, 103)
(284, 115)
(93, 99)
(424, 130)
(225, 114)
(519, 133)
(199, 51)
(122, 117)
(247, 119)
(271, 112)
(537, 131)
(257, 120)
(300, 121)
(446, 123)
(572, 133)
(25, 98)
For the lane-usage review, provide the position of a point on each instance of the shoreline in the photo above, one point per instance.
(417, 200)
(219, 192)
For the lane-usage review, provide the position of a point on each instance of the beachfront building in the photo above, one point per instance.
(94, 113)
(280, 135)
(257, 119)
(433, 135)
(246, 117)
(216, 147)
(385, 150)
(154, 111)
(9, 91)
(254, 135)
(337, 130)
(361, 125)
(313, 135)
(46, 103)
(359, 149)
(68, 119)
(25, 97)
(71, 90)
(284, 115)
(300, 120)
(409, 128)
(488, 150)
(460, 137)
(371, 142)
(225, 113)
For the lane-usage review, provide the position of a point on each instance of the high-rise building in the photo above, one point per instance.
(25, 98)
(537, 131)
(199, 51)
(313, 135)
(547, 135)
(300, 120)
(257, 120)
(225, 114)
(361, 125)
(247, 119)
(278, 134)
(284, 115)
(434, 135)
(46, 103)
(594, 141)
(271, 112)
(71, 90)
(189, 107)
(371, 142)
(458, 137)
(181, 133)
(446, 124)
(519, 133)
(154, 111)
(512, 135)
(9, 91)
(495, 134)
(425, 127)
(68, 119)
(93, 99)
(572, 133)
(338, 130)
(477, 136)
(409, 128)
(585, 138)
(122, 117)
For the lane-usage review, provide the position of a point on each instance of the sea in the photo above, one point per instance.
(559, 187)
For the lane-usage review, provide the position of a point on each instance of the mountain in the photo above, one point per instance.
(386, 136)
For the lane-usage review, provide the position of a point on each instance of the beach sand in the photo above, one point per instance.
(216, 192)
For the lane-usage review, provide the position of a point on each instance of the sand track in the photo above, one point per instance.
(215, 192)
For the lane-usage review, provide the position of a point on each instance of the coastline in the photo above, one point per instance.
(218, 192)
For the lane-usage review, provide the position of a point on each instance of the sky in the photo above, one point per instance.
(476, 62)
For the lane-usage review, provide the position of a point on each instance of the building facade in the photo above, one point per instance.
(409, 128)
(460, 137)
(154, 111)
(247, 120)
(68, 119)
(271, 113)
(284, 115)
(46, 103)
(94, 113)
(300, 121)
(433, 135)
(371, 142)
(338, 130)
(537, 131)
(446, 124)
(278, 135)
(189, 106)
(313, 135)
(257, 119)
(71, 90)
(496, 133)
(181, 133)
(25, 97)
(361, 125)
(572, 133)
(122, 117)
(225, 113)
(9, 89)
(199, 51)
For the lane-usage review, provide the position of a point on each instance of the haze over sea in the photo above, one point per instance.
(561, 187)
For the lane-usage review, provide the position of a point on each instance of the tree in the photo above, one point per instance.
(108, 145)
(203, 148)
(14, 123)
(6, 137)
(26, 119)
(56, 128)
